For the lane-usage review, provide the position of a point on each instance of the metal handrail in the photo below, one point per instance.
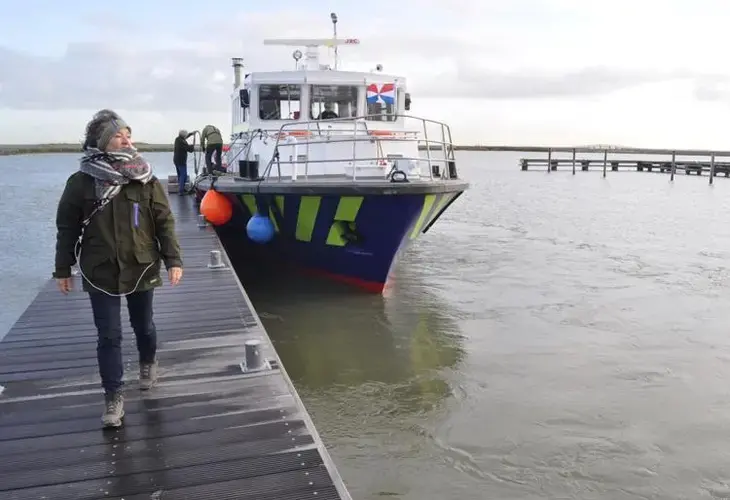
(367, 139)
(316, 133)
(364, 158)
(362, 118)
(246, 146)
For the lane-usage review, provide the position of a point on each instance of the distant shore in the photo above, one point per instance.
(27, 149)
(30, 149)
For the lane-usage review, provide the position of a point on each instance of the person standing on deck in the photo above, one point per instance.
(211, 141)
(114, 218)
(180, 159)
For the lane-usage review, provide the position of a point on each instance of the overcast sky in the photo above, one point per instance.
(558, 72)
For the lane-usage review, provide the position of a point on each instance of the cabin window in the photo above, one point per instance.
(333, 101)
(279, 102)
(381, 102)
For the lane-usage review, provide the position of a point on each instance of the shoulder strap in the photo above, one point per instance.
(98, 206)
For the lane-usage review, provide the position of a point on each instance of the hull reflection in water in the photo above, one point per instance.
(388, 351)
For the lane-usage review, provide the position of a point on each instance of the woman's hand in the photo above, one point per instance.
(175, 275)
(64, 284)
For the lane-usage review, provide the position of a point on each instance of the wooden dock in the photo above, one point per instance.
(208, 430)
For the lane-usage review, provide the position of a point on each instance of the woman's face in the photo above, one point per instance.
(121, 140)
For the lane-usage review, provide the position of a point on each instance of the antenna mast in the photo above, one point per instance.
(333, 16)
(311, 45)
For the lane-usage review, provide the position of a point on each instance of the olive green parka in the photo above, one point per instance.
(120, 249)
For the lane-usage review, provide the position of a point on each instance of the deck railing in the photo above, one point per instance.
(356, 130)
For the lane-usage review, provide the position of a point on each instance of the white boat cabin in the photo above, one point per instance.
(323, 122)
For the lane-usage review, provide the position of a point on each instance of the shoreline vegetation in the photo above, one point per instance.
(144, 147)
(30, 149)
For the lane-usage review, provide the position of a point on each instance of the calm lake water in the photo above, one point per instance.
(552, 337)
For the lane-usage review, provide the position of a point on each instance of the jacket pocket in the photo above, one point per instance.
(147, 269)
(96, 265)
(139, 221)
(146, 255)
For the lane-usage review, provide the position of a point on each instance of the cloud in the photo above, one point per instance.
(194, 73)
(191, 71)
(538, 83)
(92, 75)
(98, 75)
(521, 58)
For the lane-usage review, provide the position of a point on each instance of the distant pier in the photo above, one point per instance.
(614, 159)
(688, 167)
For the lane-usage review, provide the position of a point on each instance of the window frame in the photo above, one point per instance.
(354, 98)
(279, 86)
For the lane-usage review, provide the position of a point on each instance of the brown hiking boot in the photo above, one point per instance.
(114, 410)
(147, 375)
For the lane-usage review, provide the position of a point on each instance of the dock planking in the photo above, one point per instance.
(206, 430)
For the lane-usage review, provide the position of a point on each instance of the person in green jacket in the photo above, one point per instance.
(114, 221)
(211, 141)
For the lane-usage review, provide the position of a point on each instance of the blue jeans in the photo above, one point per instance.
(108, 321)
(182, 177)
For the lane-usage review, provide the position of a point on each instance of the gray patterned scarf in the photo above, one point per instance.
(115, 169)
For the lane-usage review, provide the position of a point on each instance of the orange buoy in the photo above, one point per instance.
(216, 208)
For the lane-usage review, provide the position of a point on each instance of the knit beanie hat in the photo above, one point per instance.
(103, 126)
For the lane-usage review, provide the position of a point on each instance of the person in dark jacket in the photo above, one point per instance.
(211, 141)
(114, 220)
(180, 159)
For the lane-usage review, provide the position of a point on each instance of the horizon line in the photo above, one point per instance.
(63, 147)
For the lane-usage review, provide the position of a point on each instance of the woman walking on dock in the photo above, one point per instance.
(114, 220)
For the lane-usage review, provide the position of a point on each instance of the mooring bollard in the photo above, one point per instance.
(253, 360)
(216, 260)
(172, 186)
(202, 223)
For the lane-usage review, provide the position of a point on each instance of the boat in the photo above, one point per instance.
(327, 170)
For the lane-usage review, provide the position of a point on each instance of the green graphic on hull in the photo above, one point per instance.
(343, 229)
(428, 202)
(344, 222)
(307, 216)
(432, 206)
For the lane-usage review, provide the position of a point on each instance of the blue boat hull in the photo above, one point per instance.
(352, 239)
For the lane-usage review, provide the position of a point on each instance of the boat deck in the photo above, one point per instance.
(206, 431)
(333, 184)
